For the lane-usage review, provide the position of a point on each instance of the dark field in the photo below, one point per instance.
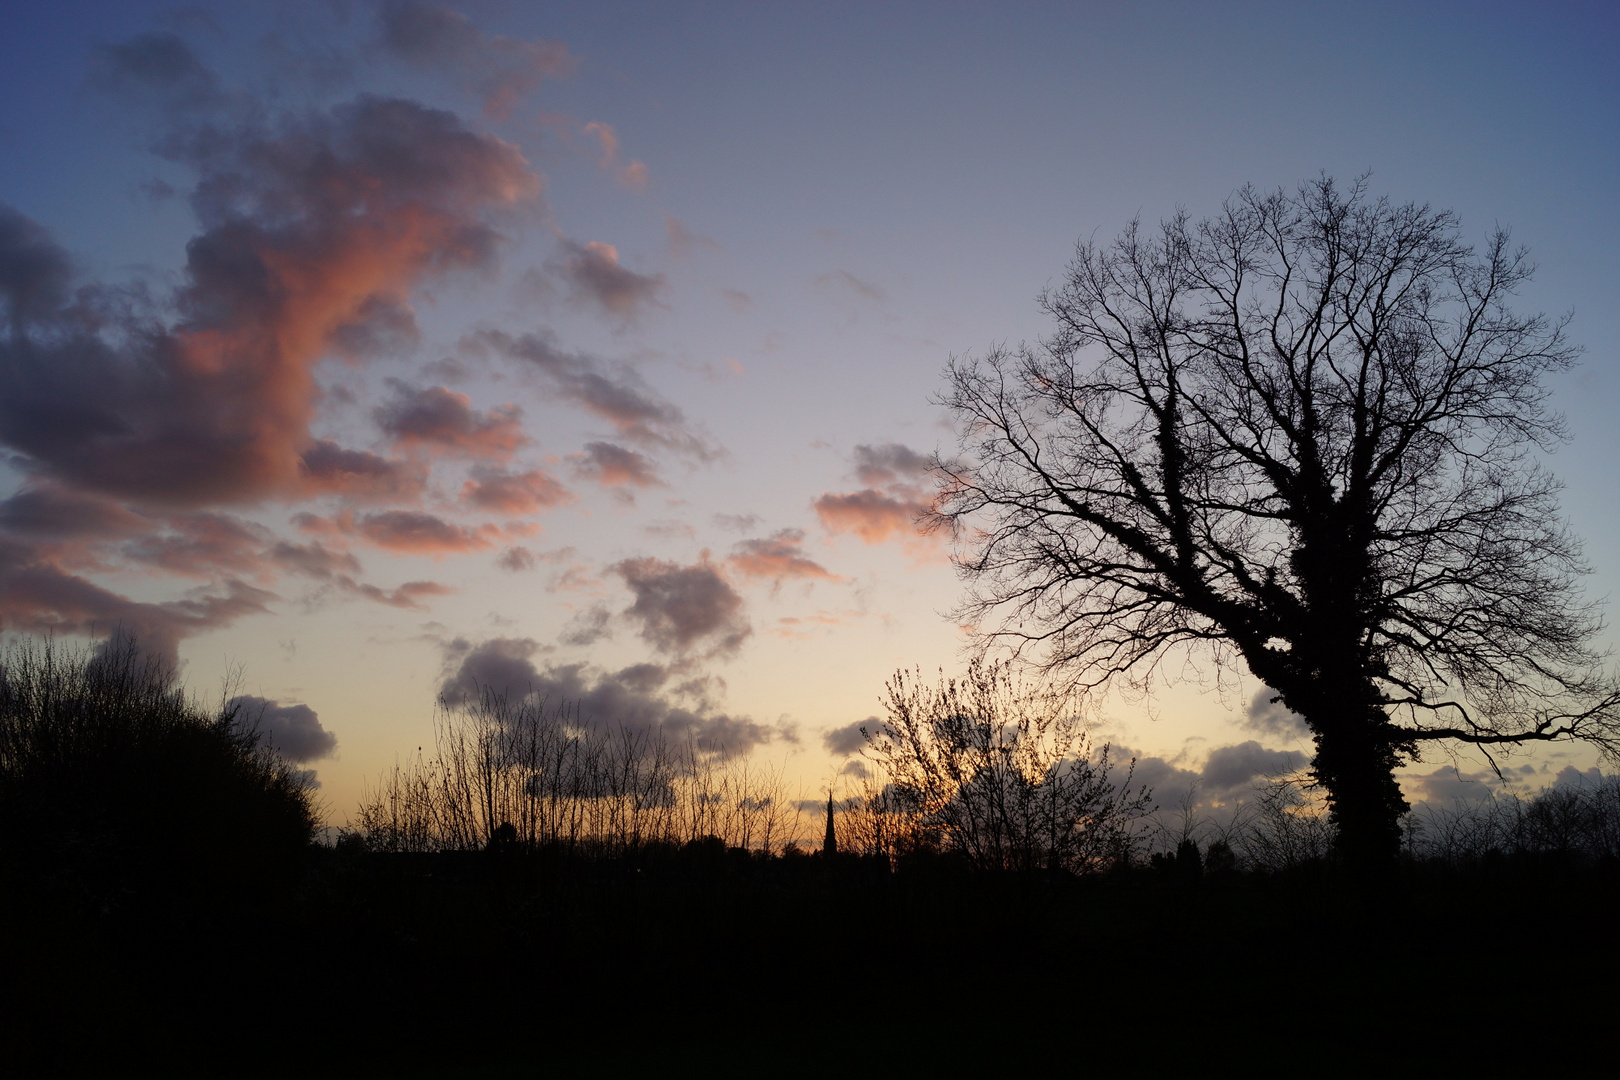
(456, 963)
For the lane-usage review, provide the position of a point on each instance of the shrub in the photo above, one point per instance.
(1005, 778)
(119, 792)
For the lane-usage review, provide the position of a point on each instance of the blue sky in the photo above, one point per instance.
(765, 228)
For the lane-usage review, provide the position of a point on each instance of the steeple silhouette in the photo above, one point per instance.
(829, 846)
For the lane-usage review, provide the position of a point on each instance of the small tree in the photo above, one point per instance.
(1003, 776)
(1300, 434)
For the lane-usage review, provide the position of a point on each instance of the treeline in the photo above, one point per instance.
(978, 772)
(116, 787)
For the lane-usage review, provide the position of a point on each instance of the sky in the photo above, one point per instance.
(364, 353)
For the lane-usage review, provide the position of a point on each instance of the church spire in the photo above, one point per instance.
(829, 846)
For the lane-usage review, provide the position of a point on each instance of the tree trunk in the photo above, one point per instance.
(1355, 761)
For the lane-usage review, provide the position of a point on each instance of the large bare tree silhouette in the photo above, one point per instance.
(1302, 432)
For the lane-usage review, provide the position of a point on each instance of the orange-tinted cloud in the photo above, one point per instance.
(892, 508)
(518, 494)
(405, 596)
(872, 515)
(777, 558)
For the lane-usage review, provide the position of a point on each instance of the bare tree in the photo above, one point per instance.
(1005, 777)
(1301, 433)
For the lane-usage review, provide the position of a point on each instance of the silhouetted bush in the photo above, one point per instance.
(120, 794)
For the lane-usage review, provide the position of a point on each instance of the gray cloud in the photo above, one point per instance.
(442, 419)
(1570, 776)
(516, 559)
(36, 596)
(359, 474)
(294, 731)
(742, 523)
(1231, 767)
(159, 67)
(313, 560)
(381, 326)
(638, 697)
(1269, 717)
(593, 274)
(1447, 785)
(500, 70)
(615, 393)
(685, 609)
(34, 272)
(49, 512)
(843, 279)
(587, 627)
(413, 533)
(889, 463)
(612, 465)
(502, 666)
(847, 740)
(201, 544)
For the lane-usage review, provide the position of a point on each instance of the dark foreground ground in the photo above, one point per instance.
(519, 963)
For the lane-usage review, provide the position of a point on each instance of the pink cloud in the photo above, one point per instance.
(308, 223)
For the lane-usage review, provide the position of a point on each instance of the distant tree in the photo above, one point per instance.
(117, 790)
(984, 768)
(1301, 434)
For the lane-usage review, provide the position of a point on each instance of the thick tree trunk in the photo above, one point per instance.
(1355, 761)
